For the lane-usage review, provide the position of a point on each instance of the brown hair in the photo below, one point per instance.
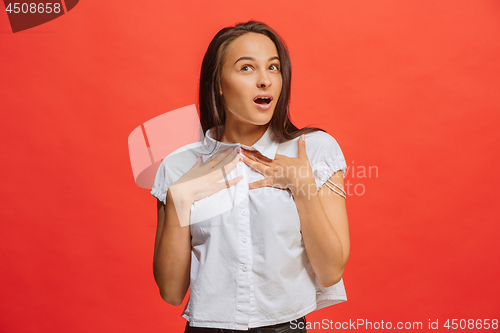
(211, 108)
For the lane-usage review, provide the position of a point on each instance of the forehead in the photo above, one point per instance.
(253, 45)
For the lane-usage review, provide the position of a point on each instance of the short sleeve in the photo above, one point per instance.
(325, 156)
(162, 183)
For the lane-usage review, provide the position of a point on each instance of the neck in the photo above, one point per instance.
(243, 133)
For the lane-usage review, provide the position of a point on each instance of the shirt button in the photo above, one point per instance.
(242, 185)
(244, 212)
(244, 239)
(244, 268)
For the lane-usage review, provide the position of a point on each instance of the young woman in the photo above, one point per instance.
(252, 217)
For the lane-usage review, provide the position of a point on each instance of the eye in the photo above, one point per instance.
(245, 66)
(277, 67)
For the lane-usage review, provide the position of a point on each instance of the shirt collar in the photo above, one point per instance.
(265, 145)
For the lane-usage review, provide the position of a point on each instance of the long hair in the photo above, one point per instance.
(212, 113)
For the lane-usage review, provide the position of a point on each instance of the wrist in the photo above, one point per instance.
(304, 188)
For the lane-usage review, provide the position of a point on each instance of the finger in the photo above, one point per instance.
(219, 174)
(259, 183)
(255, 165)
(230, 166)
(256, 155)
(224, 158)
(254, 152)
(223, 154)
(302, 147)
(220, 154)
(227, 183)
(235, 180)
(211, 159)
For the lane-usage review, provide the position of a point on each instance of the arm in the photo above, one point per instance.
(325, 229)
(172, 253)
(322, 213)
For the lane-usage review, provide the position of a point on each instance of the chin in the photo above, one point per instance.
(260, 121)
(256, 117)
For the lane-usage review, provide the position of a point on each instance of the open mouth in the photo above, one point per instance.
(263, 100)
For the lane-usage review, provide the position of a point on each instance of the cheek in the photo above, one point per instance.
(231, 87)
(238, 93)
(279, 84)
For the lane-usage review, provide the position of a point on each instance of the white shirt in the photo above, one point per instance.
(249, 266)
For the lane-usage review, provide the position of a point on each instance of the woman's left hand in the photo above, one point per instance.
(286, 173)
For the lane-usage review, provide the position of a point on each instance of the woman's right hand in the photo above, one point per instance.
(200, 181)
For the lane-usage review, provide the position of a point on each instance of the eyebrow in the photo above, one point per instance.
(253, 59)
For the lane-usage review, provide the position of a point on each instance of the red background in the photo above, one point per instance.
(409, 87)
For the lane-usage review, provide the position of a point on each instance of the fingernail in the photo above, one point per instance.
(302, 137)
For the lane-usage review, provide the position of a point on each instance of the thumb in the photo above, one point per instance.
(302, 146)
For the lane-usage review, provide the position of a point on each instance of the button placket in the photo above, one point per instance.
(243, 298)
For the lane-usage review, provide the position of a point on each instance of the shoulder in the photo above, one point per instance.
(325, 156)
(173, 166)
(178, 162)
(182, 156)
(320, 139)
(317, 143)
(321, 145)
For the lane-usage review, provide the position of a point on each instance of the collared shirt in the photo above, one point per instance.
(249, 266)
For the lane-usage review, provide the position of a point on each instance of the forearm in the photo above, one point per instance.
(321, 240)
(172, 258)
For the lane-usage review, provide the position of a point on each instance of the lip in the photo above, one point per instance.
(263, 106)
(263, 95)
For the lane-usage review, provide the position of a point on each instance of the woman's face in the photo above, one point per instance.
(251, 68)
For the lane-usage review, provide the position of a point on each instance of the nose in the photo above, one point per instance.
(263, 80)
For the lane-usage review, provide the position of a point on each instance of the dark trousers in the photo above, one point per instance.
(285, 327)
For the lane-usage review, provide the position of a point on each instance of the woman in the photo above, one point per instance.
(253, 218)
